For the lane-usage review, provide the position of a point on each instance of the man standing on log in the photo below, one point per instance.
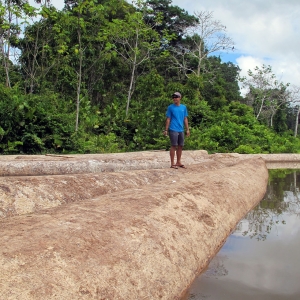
(175, 123)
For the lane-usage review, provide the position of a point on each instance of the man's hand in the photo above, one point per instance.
(188, 132)
(165, 132)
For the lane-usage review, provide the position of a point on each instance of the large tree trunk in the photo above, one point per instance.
(130, 88)
(7, 52)
(261, 106)
(297, 121)
(6, 66)
(132, 74)
(79, 74)
(273, 112)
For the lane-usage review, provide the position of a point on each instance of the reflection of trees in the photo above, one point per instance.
(282, 197)
(216, 267)
(295, 204)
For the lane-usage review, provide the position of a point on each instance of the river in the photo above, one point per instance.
(261, 258)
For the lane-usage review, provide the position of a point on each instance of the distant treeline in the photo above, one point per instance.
(98, 76)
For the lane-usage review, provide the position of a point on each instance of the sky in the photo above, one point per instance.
(264, 32)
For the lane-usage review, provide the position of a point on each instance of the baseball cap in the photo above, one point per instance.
(177, 94)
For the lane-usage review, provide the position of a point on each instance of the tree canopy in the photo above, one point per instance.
(97, 76)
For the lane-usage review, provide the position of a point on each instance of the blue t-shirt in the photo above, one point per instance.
(177, 115)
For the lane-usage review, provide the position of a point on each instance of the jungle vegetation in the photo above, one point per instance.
(98, 75)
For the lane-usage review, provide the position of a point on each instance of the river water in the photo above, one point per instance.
(261, 258)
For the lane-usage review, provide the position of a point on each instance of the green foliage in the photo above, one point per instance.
(266, 95)
(248, 149)
(173, 19)
(103, 55)
(279, 173)
(234, 129)
(220, 85)
(2, 132)
(33, 122)
(12, 147)
(32, 143)
(279, 120)
(100, 144)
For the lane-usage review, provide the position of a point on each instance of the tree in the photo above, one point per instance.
(10, 15)
(204, 38)
(173, 20)
(76, 21)
(265, 93)
(34, 45)
(71, 45)
(294, 97)
(134, 41)
(220, 82)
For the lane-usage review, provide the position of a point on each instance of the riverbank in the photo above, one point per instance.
(121, 233)
(40, 165)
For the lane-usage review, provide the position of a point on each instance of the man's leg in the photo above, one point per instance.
(179, 149)
(178, 155)
(174, 141)
(172, 155)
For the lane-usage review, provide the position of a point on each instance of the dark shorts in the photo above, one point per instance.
(176, 138)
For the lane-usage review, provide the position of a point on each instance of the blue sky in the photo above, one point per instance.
(264, 32)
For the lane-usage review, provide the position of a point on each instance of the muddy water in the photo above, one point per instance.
(261, 259)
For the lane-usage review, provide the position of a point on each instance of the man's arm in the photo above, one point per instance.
(167, 126)
(186, 125)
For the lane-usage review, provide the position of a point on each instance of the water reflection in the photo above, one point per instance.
(261, 258)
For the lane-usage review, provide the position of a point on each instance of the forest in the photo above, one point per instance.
(98, 76)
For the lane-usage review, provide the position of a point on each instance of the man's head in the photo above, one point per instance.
(176, 98)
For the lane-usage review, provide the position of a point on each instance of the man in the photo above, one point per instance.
(175, 124)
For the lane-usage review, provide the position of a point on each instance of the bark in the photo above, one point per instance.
(79, 75)
(260, 108)
(134, 65)
(297, 122)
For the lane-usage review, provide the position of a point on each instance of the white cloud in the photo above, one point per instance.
(248, 62)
